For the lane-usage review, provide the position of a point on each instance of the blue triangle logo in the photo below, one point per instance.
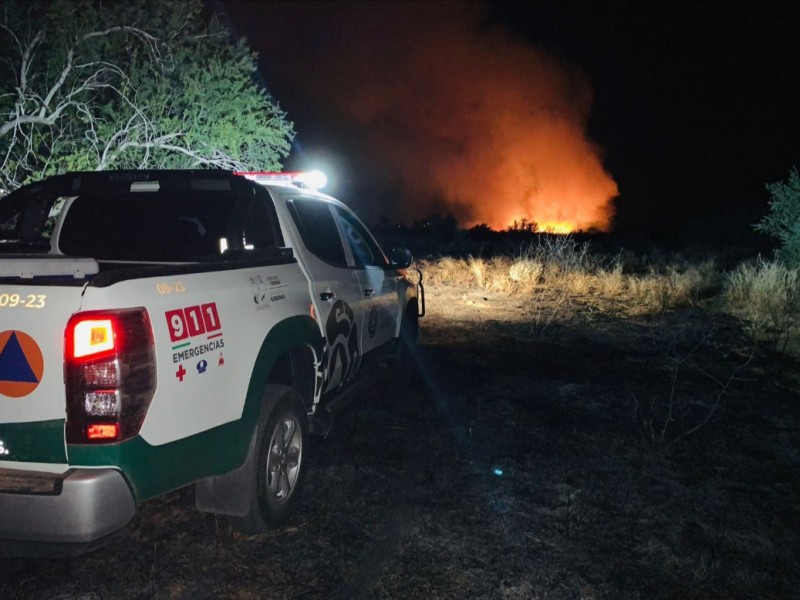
(14, 364)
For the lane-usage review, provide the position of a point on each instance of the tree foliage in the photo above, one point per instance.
(783, 220)
(90, 85)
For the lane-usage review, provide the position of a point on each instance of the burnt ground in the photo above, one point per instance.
(601, 456)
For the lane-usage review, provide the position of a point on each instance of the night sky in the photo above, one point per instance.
(691, 107)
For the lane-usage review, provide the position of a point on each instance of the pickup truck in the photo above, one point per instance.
(160, 329)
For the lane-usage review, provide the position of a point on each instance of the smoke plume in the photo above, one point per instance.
(466, 116)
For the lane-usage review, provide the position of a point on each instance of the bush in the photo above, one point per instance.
(783, 220)
(767, 296)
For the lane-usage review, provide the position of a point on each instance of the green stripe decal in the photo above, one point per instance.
(154, 470)
(38, 441)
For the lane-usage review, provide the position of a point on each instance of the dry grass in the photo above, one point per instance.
(766, 294)
(559, 273)
(675, 287)
(563, 271)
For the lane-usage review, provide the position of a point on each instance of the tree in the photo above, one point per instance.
(783, 220)
(86, 84)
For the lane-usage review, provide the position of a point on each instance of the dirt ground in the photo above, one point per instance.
(591, 455)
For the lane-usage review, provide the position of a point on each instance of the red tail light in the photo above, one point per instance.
(110, 375)
(102, 431)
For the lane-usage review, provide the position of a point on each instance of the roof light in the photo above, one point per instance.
(314, 180)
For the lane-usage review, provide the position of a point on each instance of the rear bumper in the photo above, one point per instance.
(78, 507)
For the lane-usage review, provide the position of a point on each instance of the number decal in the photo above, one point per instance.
(27, 301)
(166, 288)
(194, 319)
(190, 321)
(177, 325)
(210, 316)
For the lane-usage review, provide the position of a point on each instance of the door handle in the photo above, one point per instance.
(327, 296)
(368, 292)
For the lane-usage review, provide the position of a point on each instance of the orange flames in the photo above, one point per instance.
(469, 119)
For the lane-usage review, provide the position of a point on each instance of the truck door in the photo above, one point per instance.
(378, 284)
(336, 290)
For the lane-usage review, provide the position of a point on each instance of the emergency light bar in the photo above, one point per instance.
(314, 180)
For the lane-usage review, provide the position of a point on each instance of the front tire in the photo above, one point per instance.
(280, 455)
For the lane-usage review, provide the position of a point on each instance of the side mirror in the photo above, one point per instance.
(401, 258)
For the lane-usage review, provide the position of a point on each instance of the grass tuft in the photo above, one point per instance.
(766, 294)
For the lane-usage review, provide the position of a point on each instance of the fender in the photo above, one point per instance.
(154, 470)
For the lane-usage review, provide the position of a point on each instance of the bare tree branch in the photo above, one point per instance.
(124, 95)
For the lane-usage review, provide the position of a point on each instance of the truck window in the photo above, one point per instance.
(258, 227)
(320, 234)
(22, 222)
(365, 249)
(162, 227)
(8, 223)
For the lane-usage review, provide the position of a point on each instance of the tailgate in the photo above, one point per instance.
(32, 397)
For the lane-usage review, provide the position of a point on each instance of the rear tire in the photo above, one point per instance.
(280, 455)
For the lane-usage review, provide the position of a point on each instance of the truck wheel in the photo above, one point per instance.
(280, 452)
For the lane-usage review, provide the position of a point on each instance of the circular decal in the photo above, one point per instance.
(21, 364)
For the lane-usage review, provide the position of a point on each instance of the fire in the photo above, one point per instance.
(526, 224)
(464, 117)
(557, 227)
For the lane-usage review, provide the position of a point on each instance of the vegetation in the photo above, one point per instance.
(766, 294)
(557, 273)
(140, 84)
(561, 266)
(783, 220)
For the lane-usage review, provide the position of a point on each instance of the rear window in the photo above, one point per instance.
(24, 218)
(165, 226)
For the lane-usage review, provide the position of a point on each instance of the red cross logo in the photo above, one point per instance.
(180, 373)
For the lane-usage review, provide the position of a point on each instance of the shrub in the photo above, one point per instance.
(525, 270)
(783, 220)
(612, 282)
(675, 286)
(767, 295)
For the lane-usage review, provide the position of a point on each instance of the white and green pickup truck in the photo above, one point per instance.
(160, 329)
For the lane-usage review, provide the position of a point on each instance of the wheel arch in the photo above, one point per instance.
(299, 368)
(291, 350)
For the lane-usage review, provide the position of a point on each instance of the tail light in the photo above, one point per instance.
(110, 375)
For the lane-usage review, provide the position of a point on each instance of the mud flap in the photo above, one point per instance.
(228, 494)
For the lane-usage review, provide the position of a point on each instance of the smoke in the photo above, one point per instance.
(468, 118)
